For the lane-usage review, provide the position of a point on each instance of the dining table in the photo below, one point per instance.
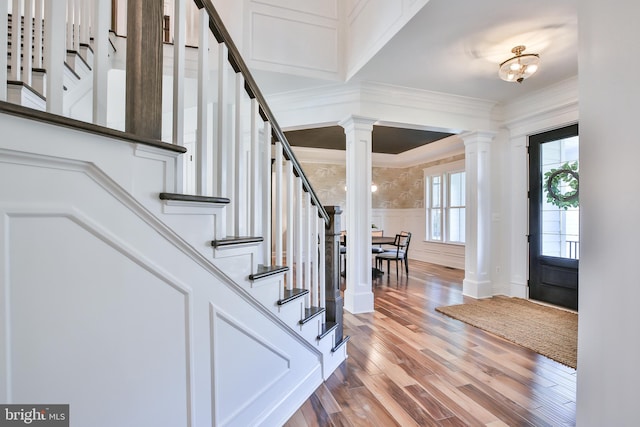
(376, 248)
(383, 240)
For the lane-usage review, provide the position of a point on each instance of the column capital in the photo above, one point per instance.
(358, 123)
(477, 136)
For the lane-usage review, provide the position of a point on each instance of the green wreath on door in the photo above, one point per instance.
(567, 174)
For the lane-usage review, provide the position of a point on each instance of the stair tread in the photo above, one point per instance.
(327, 327)
(78, 55)
(340, 344)
(26, 86)
(235, 240)
(310, 313)
(291, 294)
(266, 271)
(193, 198)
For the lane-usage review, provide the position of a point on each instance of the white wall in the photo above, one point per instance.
(370, 24)
(608, 341)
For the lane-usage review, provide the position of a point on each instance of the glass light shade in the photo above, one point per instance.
(519, 67)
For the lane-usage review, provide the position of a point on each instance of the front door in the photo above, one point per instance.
(554, 239)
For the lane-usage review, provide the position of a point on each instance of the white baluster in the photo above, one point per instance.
(222, 135)
(299, 235)
(101, 22)
(179, 32)
(85, 22)
(76, 26)
(4, 42)
(241, 167)
(290, 223)
(307, 247)
(266, 193)
(255, 206)
(322, 264)
(69, 33)
(27, 42)
(16, 28)
(230, 151)
(277, 233)
(91, 6)
(202, 152)
(54, 54)
(313, 236)
(37, 34)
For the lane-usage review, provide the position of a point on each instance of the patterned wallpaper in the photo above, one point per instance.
(398, 188)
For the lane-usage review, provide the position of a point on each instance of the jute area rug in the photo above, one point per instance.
(549, 331)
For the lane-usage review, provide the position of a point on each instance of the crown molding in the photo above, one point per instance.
(560, 101)
(438, 150)
(386, 103)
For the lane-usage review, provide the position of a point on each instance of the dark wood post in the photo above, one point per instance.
(144, 68)
(334, 300)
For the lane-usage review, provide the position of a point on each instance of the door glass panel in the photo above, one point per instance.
(560, 236)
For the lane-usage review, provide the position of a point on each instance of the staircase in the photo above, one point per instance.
(189, 282)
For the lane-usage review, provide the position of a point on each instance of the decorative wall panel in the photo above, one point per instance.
(323, 8)
(239, 381)
(88, 318)
(294, 43)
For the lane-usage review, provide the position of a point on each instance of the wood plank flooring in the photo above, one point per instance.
(409, 365)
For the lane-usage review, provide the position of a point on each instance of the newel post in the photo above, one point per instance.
(144, 68)
(334, 300)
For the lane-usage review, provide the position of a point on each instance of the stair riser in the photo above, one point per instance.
(311, 329)
(290, 313)
(331, 360)
(18, 94)
(193, 223)
(237, 263)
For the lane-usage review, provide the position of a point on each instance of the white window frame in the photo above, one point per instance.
(443, 171)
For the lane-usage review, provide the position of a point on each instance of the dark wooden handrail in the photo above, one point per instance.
(54, 119)
(222, 36)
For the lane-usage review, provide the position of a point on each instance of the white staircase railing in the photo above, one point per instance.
(212, 106)
(64, 58)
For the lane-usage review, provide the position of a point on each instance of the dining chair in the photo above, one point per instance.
(398, 254)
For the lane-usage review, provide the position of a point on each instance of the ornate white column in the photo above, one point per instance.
(477, 150)
(358, 295)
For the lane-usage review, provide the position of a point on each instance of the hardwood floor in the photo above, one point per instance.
(409, 365)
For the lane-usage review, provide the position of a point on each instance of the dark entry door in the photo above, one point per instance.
(554, 237)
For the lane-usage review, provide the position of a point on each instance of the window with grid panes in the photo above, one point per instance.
(445, 203)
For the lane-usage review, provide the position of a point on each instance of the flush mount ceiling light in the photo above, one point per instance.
(520, 67)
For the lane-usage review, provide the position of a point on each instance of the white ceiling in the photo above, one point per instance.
(455, 46)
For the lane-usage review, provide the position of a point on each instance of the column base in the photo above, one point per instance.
(475, 289)
(356, 303)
